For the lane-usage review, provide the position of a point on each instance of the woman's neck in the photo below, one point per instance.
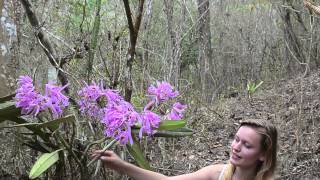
(244, 173)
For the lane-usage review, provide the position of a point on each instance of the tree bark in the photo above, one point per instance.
(44, 42)
(174, 45)
(205, 52)
(133, 33)
(94, 39)
(47, 47)
(145, 44)
(293, 48)
(8, 41)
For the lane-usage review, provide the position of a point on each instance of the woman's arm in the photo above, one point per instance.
(137, 173)
(112, 161)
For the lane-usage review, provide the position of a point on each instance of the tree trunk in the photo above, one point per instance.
(146, 46)
(205, 52)
(7, 40)
(293, 48)
(133, 33)
(174, 45)
(94, 39)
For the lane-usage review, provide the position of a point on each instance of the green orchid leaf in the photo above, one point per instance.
(180, 132)
(43, 163)
(6, 98)
(54, 124)
(2, 119)
(171, 125)
(256, 87)
(36, 145)
(136, 152)
(33, 125)
(8, 109)
(24, 123)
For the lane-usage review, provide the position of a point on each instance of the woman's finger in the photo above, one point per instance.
(102, 152)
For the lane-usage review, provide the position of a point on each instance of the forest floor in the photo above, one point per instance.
(293, 105)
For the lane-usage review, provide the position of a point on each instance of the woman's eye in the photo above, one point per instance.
(236, 139)
(247, 146)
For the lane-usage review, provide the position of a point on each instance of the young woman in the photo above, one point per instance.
(253, 156)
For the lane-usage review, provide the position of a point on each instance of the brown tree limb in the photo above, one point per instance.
(139, 16)
(74, 55)
(44, 42)
(133, 32)
(38, 32)
(291, 38)
(129, 17)
(94, 39)
(205, 50)
(47, 47)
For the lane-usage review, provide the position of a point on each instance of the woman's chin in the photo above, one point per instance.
(234, 161)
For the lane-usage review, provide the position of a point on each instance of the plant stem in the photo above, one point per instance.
(65, 144)
(103, 150)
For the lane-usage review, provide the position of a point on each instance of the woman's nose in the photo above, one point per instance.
(237, 146)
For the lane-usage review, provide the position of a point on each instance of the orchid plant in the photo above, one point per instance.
(119, 116)
(161, 116)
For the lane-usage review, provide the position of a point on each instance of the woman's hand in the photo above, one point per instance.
(109, 159)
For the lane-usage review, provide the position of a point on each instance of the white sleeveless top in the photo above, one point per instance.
(222, 172)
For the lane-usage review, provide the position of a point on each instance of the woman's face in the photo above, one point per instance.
(245, 148)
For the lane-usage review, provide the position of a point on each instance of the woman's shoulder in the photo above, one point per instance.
(214, 170)
(210, 172)
(217, 167)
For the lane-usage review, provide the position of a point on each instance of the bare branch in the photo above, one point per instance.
(44, 42)
(133, 32)
(47, 47)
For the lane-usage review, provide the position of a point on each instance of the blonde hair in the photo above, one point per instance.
(269, 134)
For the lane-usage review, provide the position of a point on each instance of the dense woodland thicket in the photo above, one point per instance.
(211, 51)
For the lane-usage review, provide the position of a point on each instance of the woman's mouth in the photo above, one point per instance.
(235, 156)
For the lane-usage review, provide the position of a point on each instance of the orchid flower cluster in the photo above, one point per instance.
(117, 115)
(32, 102)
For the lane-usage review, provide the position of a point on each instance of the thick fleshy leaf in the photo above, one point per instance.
(43, 163)
(31, 126)
(138, 155)
(54, 124)
(2, 119)
(8, 109)
(180, 132)
(36, 144)
(171, 125)
(6, 98)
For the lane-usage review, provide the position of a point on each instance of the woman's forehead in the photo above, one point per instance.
(248, 134)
